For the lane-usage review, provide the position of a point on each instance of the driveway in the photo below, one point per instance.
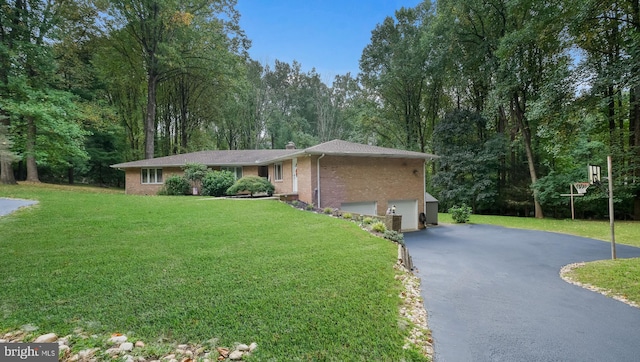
(494, 294)
(8, 206)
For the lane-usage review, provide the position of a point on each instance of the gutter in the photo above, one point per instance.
(318, 172)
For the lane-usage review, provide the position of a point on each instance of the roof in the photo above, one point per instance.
(344, 148)
(265, 157)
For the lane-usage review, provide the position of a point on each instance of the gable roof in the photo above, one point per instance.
(265, 157)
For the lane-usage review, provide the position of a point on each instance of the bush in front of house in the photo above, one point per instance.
(460, 214)
(176, 185)
(379, 227)
(252, 185)
(216, 183)
(394, 236)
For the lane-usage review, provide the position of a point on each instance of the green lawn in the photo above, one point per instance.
(626, 232)
(620, 276)
(184, 270)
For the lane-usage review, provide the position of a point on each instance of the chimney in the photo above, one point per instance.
(290, 146)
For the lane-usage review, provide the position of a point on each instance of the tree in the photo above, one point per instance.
(158, 27)
(468, 163)
(394, 67)
(42, 117)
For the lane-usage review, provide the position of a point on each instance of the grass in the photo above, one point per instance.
(621, 277)
(185, 270)
(626, 232)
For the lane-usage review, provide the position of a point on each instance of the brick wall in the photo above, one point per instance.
(133, 181)
(356, 179)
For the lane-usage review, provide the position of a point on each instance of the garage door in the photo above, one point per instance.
(409, 211)
(362, 208)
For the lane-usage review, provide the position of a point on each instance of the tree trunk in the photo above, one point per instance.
(6, 171)
(526, 133)
(32, 167)
(150, 121)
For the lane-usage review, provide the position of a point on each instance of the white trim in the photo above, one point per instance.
(277, 175)
(151, 174)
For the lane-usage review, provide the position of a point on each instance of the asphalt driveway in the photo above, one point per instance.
(8, 206)
(494, 294)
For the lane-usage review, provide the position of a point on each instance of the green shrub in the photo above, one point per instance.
(347, 215)
(252, 185)
(216, 183)
(294, 203)
(367, 220)
(176, 185)
(379, 227)
(328, 210)
(309, 207)
(394, 236)
(460, 214)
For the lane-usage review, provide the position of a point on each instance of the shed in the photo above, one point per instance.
(431, 209)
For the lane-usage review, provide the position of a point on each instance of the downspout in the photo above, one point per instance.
(424, 193)
(318, 172)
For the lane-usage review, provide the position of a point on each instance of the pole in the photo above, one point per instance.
(611, 215)
(573, 213)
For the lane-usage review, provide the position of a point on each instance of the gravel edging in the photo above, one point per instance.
(564, 274)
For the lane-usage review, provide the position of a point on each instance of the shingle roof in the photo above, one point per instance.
(265, 157)
(344, 148)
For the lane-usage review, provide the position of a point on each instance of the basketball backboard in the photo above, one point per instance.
(594, 174)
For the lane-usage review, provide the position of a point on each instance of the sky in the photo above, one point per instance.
(328, 35)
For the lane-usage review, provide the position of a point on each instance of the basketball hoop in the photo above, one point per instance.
(581, 187)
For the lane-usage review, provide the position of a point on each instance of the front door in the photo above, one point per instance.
(294, 176)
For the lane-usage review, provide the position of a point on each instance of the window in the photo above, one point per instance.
(152, 176)
(277, 171)
(237, 171)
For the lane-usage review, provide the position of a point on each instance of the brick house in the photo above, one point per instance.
(338, 174)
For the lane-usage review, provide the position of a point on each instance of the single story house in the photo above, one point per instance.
(338, 174)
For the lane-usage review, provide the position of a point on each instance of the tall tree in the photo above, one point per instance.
(393, 65)
(157, 27)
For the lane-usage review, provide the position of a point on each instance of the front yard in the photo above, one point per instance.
(171, 270)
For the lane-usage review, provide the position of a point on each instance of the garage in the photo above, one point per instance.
(409, 211)
(362, 208)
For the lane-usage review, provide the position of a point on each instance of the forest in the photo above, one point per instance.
(517, 97)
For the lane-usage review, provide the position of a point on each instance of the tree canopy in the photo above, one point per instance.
(518, 97)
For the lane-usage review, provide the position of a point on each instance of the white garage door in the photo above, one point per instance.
(409, 211)
(362, 208)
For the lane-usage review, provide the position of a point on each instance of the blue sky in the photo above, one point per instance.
(326, 34)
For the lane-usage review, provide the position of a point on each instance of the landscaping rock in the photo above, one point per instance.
(253, 346)
(139, 344)
(117, 339)
(62, 349)
(113, 351)
(242, 348)
(126, 346)
(46, 338)
(236, 355)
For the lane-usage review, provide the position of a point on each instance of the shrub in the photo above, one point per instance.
(347, 215)
(328, 210)
(379, 227)
(460, 214)
(252, 185)
(176, 185)
(394, 236)
(216, 183)
(294, 203)
(367, 220)
(309, 207)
